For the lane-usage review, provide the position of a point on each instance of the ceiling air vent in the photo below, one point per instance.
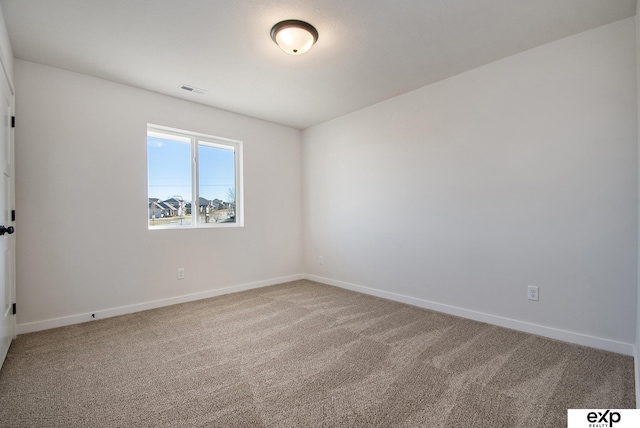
(193, 89)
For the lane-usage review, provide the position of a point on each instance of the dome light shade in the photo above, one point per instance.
(293, 36)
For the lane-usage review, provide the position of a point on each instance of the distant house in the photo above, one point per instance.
(174, 204)
(173, 201)
(170, 207)
(170, 210)
(155, 208)
(218, 204)
(203, 203)
(161, 209)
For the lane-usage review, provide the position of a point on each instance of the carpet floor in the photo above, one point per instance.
(302, 354)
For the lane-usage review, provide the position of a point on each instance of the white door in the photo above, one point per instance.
(7, 217)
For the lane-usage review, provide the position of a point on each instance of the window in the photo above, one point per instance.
(194, 180)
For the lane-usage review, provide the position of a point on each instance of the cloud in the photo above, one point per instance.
(154, 142)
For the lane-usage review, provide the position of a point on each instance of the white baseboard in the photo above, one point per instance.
(122, 310)
(550, 332)
(553, 333)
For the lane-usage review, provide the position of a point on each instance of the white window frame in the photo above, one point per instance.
(195, 138)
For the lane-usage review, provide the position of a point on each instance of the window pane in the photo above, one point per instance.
(217, 183)
(169, 168)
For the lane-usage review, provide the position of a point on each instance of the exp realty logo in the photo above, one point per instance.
(603, 418)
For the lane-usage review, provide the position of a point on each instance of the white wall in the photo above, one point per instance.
(82, 239)
(460, 194)
(456, 195)
(6, 53)
(637, 342)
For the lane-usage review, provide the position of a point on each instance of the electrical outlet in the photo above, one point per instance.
(321, 260)
(180, 273)
(532, 292)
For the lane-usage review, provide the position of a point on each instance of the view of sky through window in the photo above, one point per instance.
(169, 169)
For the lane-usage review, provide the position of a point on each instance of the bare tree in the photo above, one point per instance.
(219, 215)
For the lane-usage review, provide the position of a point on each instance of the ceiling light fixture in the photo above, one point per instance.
(293, 36)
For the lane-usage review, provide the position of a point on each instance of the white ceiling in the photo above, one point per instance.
(367, 51)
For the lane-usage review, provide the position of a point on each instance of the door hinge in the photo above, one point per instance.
(13, 121)
(13, 309)
(13, 215)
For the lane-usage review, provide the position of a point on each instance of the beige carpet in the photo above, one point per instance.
(302, 354)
